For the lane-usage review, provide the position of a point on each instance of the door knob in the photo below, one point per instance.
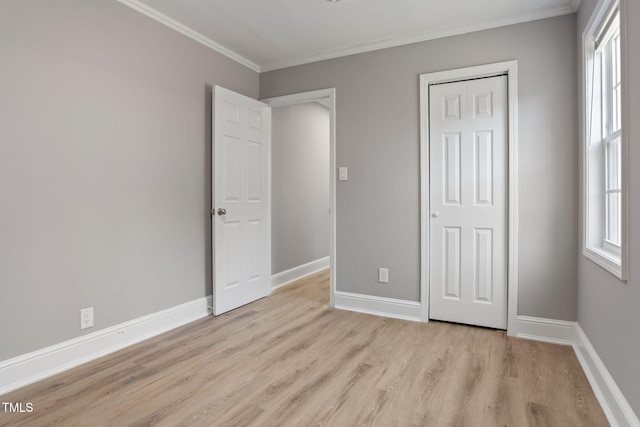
(222, 211)
(435, 215)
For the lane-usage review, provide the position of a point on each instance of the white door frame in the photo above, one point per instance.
(326, 97)
(511, 69)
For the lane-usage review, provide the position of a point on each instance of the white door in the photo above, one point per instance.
(468, 187)
(241, 217)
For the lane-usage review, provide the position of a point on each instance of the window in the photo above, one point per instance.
(605, 142)
(608, 53)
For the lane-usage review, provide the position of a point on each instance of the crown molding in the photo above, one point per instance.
(576, 5)
(384, 44)
(154, 14)
(189, 32)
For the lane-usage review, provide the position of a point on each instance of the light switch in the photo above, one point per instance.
(343, 174)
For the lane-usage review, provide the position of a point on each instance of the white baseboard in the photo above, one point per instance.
(38, 365)
(546, 330)
(296, 273)
(379, 306)
(613, 402)
(611, 399)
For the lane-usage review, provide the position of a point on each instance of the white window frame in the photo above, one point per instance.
(610, 256)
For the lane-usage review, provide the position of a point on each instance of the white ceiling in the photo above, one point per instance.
(271, 34)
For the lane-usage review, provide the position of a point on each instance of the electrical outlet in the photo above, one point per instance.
(343, 174)
(86, 318)
(383, 275)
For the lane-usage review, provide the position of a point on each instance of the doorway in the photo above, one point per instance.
(307, 102)
(299, 191)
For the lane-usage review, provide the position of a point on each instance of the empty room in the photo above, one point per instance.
(319, 212)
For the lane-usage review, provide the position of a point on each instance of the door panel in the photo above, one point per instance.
(452, 183)
(468, 172)
(483, 278)
(255, 172)
(242, 256)
(483, 153)
(451, 257)
(231, 169)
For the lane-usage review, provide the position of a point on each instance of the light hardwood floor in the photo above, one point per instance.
(290, 360)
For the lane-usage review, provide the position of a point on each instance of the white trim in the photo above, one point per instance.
(189, 32)
(546, 330)
(322, 95)
(599, 257)
(286, 277)
(379, 306)
(40, 364)
(511, 68)
(624, 144)
(362, 48)
(329, 97)
(613, 402)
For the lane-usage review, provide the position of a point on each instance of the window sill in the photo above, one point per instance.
(606, 259)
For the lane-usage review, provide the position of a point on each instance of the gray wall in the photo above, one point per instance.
(378, 126)
(104, 167)
(300, 185)
(608, 309)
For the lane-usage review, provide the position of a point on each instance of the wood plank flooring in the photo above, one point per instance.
(290, 360)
